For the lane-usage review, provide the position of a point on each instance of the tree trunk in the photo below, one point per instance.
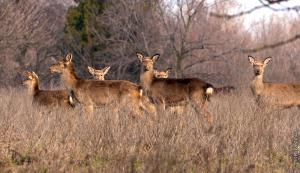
(178, 70)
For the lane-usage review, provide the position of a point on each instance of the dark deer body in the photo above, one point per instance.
(169, 92)
(46, 97)
(224, 90)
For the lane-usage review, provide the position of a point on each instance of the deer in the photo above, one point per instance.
(99, 74)
(162, 74)
(171, 92)
(47, 97)
(224, 90)
(97, 93)
(165, 74)
(272, 95)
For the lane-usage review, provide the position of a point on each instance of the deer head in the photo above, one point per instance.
(62, 65)
(148, 62)
(162, 74)
(258, 65)
(32, 82)
(98, 74)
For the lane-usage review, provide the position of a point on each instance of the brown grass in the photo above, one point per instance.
(244, 138)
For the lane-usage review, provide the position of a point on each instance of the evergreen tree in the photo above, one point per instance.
(81, 27)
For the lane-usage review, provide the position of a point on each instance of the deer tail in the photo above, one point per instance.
(209, 91)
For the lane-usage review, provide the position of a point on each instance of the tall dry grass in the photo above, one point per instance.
(243, 138)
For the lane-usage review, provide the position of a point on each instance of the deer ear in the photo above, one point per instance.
(106, 69)
(91, 70)
(169, 70)
(28, 74)
(155, 57)
(35, 75)
(251, 59)
(267, 60)
(140, 56)
(69, 58)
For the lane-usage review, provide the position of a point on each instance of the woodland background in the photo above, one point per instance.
(195, 38)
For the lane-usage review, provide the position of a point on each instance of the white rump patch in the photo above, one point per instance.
(141, 92)
(71, 100)
(209, 90)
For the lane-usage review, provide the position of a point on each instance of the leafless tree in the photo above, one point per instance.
(182, 32)
(131, 28)
(194, 37)
(29, 35)
(270, 4)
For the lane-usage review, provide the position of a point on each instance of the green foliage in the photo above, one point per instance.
(82, 23)
(43, 170)
(99, 162)
(18, 159)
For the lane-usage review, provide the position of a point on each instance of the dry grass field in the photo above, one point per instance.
(243, 138)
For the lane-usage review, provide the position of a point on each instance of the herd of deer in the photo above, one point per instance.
(156, 91)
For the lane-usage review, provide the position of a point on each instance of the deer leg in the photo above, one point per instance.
(199, 104)
(180, 108)
(160, 105)
(147, 105)
(89, 110)
(136, 109)
(133, 103)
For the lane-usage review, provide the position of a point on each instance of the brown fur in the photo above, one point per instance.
(94, 93)
(98, 74)
(46, 97)
(161, 74)
(169, 92)
(279, 95)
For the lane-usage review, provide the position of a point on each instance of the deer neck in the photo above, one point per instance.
(146, 79)
(33, 89)
(257, 85)
(70, 78)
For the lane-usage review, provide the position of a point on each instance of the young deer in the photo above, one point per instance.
(169, 92)
(277, 95)
(46, 97)
(98, 74)
(162, 74)
(94, 93)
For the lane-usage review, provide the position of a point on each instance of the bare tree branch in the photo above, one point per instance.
(267, 4)
(274, 45)
(231, 16)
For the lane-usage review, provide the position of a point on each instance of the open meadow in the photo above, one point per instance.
(243, 138)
